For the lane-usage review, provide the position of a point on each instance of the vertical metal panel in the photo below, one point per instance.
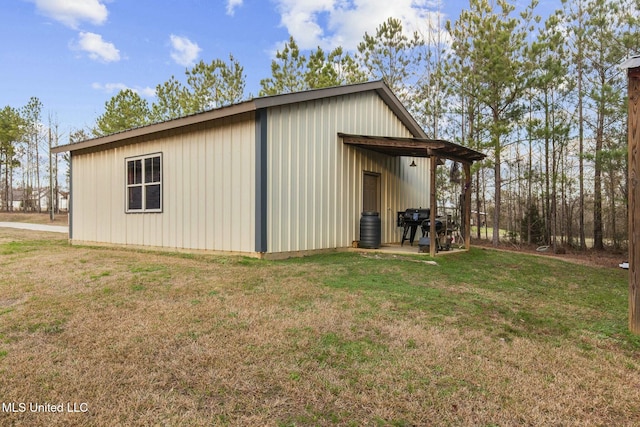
(200, 202)
(189, 185)
(76, 196)
(208, 191)
(71, 160)
(315, 181)
(168, 188)
(173, 202)
(117, 199)
(101, 190)
(246, 172)
(216, 192)
(226, 194)
(208, 203)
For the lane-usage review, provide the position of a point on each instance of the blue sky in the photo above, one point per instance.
(74, 55)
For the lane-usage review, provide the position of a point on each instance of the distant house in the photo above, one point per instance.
(27, 201)
(273, 176)
(62, 203)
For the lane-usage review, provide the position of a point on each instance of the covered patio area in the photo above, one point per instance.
(436, 150)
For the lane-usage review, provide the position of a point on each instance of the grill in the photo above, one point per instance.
(411, 219)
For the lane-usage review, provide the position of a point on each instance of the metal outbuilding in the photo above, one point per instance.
(273, 176)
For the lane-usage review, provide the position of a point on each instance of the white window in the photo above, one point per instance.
(144, 183)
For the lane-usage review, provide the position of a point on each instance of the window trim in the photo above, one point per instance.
(143, 185)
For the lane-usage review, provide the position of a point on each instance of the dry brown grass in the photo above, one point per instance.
(161, 339)
(34, 218)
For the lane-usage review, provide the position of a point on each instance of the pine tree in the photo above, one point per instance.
(293, 71)
(12, 130)
(213, 85)
(492, 44)
(394, 57)
(287, 71)
(126, 110)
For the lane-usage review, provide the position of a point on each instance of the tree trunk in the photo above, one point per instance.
(497, 184)
(612, 209)
(497, 175)
(478, 206)
(554, 194)
(598, 243)
(38, 195)
(547, 193)
(530, 178)
(580, 72)
(6, 181)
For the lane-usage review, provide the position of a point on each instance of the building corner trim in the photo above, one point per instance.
(70, 203)
(261, 181)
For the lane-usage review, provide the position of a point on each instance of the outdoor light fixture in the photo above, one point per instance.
(413, 164)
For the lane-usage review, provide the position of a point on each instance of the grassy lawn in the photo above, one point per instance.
(482, 338)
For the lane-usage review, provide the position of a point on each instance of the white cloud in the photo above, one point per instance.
(110, 88)
(148, 92)
(97, 48)
(332, 23)
(184, 51)
(72, 12)
(232, 5)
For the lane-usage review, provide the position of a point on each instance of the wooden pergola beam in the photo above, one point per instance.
(633, 74)
(390, 142)
(433, 206)
(415, 147)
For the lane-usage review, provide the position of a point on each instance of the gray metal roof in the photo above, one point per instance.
(129, 136)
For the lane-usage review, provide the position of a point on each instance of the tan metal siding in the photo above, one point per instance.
(315, 181)
(208, 191)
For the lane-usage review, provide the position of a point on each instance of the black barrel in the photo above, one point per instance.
(370, 230)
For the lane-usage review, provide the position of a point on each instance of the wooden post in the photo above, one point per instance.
(433, 206)
(634, 197)
(467, 206)
(51, 203)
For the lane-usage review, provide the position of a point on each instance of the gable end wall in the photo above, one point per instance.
(315, 181)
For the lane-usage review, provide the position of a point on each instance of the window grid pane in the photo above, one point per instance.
(135, 198)
(148, 170)
(156, 169)
(130, 172)
(137, 173)
(144, 194)
(152, 196)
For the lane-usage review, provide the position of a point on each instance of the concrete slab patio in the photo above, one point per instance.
(406, 249)
(36, 227)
